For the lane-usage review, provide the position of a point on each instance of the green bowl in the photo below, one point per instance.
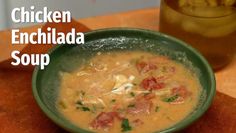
(69, 57)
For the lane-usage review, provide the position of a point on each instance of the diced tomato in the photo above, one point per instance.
(144, 67)
(104, 120)
(151, 83)
(142, 104)
(181, 91)
(140, 107)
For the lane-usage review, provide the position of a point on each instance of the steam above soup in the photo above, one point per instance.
(134, 91)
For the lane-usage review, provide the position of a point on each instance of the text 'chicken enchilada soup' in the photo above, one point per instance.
(134, 91)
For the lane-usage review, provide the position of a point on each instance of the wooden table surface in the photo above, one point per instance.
(145, 18)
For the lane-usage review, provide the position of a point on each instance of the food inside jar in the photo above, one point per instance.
(210, 28)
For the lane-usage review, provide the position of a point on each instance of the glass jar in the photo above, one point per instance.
(207, 25)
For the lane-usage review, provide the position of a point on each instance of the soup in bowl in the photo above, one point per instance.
(125, 80)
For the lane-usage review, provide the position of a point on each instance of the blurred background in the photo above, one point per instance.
(78, 8)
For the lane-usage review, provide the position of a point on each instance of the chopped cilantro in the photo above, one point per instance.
(171, 99)
(113, 100)
(157, 108)
(82, 93)
(62, 105)
(81, 106)
(79, 103)
(85, 109)
(131, 105)
(132, 94)
(125, 125)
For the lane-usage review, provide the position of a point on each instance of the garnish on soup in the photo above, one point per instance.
(135, 92)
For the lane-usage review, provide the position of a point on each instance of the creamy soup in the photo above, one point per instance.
(135, 92)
